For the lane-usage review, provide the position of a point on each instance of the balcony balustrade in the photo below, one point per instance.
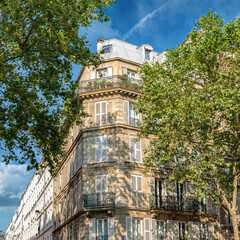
(99, 200)
(109, 82)
(178, 204)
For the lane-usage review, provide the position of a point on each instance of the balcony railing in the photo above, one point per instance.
(102, 237)
(178, 204)
(109, 82)
(134, 122)
(99, 200)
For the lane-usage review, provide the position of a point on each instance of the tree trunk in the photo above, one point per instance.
(235, 226)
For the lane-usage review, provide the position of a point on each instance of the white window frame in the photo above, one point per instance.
(101, 140)
(131, 74)
(164, 228)
(141, 226)
(135, 150)
(102, 223)
(101, 113)
(104, 73)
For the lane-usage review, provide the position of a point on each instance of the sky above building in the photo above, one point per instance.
(162, 24)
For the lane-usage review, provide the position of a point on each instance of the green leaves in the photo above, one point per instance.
(39, 43)
(191, 104)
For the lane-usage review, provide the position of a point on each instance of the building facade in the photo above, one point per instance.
(33, 219)
(101, 190)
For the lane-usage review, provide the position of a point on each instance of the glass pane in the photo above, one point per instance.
(105, 229)
(100, 230)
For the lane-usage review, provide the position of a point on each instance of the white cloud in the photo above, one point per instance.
(143, 20)
(13, 180)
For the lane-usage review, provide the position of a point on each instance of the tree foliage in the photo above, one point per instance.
(191, 104)
(39, 43)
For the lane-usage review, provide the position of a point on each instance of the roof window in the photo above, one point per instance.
(107, 48)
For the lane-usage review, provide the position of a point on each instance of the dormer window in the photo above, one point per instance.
(107, 48)
(147, 55)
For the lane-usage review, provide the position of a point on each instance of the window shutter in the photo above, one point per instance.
(110, 113)
(98, 184)
(146, 229)
(129, 228)
(132, 149)
(138, 151)
(97, 114)
(134, 190)
(103, 121)
(104, 148)
(104, 183)
(111, 228)
(211, 231)
(152, 191)
(110, 71)
(170, 232)
(139, 184)
(153, 229)
(98, 149)
(126, 112)
(79, 156)
(92, 235)
(92, 74)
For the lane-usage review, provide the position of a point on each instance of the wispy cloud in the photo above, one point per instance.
(142, 21)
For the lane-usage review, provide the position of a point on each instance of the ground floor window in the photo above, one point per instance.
(202, 232)
(136, 229)
(102, 229)
(160, 231)
(182, 231)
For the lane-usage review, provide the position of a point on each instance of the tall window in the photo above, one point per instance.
(182, 231)
(102, 73)
(102, 229)
(101, 113)
(137, 195)
(136, 229)
(130, 115)
(131, 74)
(101, 149)
(147, 55)
(180, 195)
(135, 150)
(160, 231)
(202, 232)
(101, 189)
(158, 193)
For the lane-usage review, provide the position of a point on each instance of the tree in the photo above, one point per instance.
(40, 42)
(191, 104)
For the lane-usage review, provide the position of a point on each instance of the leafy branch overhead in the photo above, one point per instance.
(191, 103)
(39, 43)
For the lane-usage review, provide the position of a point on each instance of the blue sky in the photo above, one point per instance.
(162, 24)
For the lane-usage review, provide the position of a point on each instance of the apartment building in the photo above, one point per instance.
(101, 189)
(33, 219)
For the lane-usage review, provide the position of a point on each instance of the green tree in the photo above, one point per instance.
(39, 44)
(191, 104)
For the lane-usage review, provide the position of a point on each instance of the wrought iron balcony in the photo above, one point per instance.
(99, 200)
(109, 82)
(184, 204)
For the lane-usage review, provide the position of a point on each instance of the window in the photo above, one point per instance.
(180, 195)
(133, 116)
(101, 149)
(71, 167)
(102, 229)
(101, 113)
(147, 55)
(160, 231)
(202, 232)
(137, 195)
(102, 73)
(131, 74)
(107, 48)
(182, 231)
(135, 150)
(66, 174)
(79, 155)
(101, 183)
(130, 115)
(158, 193)
(134, 229)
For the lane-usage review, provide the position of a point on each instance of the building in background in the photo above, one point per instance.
(33, 219)
(2, 235)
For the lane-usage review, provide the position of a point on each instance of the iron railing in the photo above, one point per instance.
(99, 200)
(109, 82)
(102, 237)
(185, 204)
